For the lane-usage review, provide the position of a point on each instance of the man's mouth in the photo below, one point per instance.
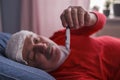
(49, 50)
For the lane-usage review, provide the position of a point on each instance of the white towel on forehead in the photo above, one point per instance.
(15, 45)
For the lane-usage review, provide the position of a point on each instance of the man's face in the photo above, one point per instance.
(41, 52)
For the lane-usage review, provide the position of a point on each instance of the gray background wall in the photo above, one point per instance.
(10, 15)
(0, 18)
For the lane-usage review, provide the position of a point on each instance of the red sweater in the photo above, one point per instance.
(90, 58)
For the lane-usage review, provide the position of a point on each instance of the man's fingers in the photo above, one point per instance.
(74, 17)
(81, 14)
(63, 20)
(87, 19)
(68, 17)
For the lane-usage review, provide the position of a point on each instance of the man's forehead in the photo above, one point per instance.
(32, 35)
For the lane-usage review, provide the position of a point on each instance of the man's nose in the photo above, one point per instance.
(39, 47)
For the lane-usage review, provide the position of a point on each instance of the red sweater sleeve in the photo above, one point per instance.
(101, 20)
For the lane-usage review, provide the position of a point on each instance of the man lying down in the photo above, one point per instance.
(88, 59)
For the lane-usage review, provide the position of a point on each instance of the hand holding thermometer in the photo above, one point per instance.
(67, 43)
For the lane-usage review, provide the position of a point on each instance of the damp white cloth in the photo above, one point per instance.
(15, 45)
